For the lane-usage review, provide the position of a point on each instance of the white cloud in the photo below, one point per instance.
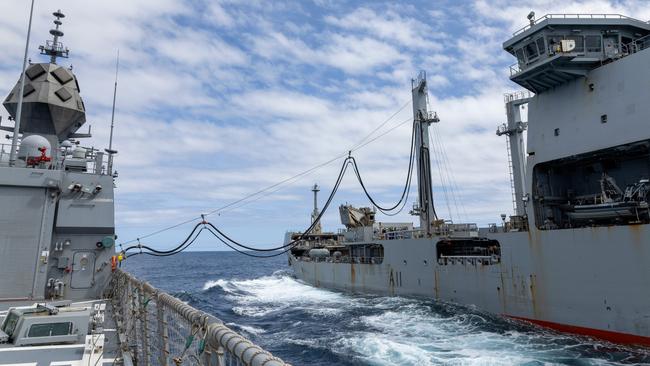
(219, 15)
(350, 53)
(388, 26)
(219, 99)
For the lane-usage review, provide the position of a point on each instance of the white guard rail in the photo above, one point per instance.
(156, 328)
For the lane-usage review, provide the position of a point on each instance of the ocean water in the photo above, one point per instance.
(305, 325)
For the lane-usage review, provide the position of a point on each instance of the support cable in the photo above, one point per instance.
(407, 185)
(157, 253)
(306, 232)
(451, 177)
(364, 142)
(209, 226)
(233, 244)
(441, 173)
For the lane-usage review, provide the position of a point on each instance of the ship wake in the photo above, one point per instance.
(379, 330)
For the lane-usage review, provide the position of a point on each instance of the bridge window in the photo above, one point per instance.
(580, 43)
(531, 51)
(520, 56)
(593, 43)
(540, 46)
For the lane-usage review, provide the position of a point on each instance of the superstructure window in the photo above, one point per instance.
(553, 44)
(540, 46)
(531, 51)
(50, 329)
(520, 56)
(580, 43)
(593, 43)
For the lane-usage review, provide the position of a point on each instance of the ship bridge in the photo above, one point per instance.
(557, 48)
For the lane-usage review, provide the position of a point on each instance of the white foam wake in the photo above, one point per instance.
(384, 330)
(261, 296)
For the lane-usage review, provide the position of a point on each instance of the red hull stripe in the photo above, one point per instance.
(614, 337)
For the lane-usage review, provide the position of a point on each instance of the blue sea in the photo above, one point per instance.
(304, 325)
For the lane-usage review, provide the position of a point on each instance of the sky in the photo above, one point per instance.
(219, 99)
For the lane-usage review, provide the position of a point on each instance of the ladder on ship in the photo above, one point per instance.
(511, 175)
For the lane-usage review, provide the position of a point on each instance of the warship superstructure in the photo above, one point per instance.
(575, 253)
(63, 298)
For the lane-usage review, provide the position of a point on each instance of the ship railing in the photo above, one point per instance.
(343, 259)
(464, 230)
(447, 229)
(155, 328)
(469, 259)
(636, 45)
(402, 234)
(572, 16)
(517, 95)
(515, 69)
(53, 46)
(367, 260)
(92, 161)
(5, 152)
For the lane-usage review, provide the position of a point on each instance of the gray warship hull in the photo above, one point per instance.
(592, 281)
(63, 298)
(575, 255)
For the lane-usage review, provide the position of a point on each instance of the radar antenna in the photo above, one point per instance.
(54, 48)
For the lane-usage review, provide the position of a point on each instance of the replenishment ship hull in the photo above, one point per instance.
(575, 254)
(570, 281)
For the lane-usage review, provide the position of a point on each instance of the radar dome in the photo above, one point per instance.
(30, 145)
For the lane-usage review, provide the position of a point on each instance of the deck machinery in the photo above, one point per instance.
(575, 254)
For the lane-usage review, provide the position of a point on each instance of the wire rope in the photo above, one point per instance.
(357, 146)
(210, 227)
(407, 184)
(454, 182)
(233, 244)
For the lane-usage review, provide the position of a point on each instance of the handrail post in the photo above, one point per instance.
(132, 316)
(143, 322)
(163, 332)
(221, 359)
(206, 356)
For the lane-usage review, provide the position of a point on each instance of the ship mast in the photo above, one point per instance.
(314, 216)
(54, 48)
(422, 119)
(19, 109)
